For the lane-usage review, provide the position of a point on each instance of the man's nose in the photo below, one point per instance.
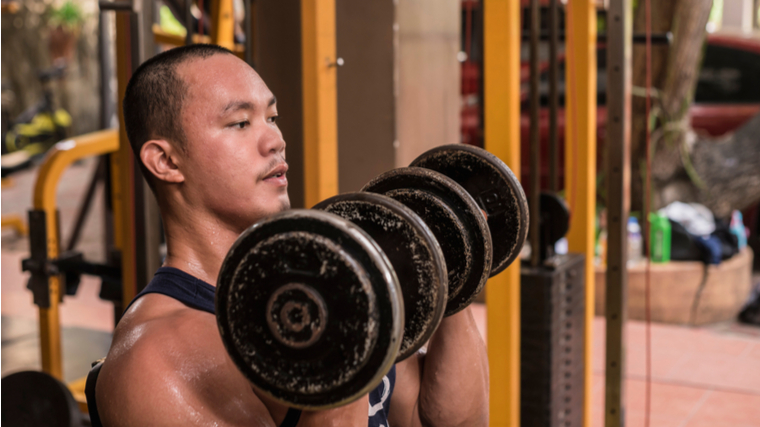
(272, 143)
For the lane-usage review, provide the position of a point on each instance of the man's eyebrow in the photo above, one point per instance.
(237, 105)
(272, 101)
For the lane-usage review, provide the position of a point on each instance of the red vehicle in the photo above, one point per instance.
(727, 95)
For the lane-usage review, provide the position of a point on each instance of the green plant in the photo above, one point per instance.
(67, 16)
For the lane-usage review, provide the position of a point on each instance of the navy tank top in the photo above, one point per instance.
(197, 294)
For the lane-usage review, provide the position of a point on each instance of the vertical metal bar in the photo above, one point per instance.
(189, 22)
(107, 101)
(320, 108)
(248, 28)
(501, 112)
(223, 24)
(84, 207)
(580, 156)
(49, 317)
(553, 95)
(535, 148)
(122, 166)
(619, 29)
(147, 237)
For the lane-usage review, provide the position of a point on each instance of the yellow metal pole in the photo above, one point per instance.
(58, 159)
(501, 80)
(320, 113)
(50, 327)
(122, 188)
(223, 28)
(16, 223)
(580, 155)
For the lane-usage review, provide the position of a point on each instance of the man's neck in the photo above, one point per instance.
(197, 245)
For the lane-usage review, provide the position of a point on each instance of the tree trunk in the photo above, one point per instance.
(729, 169)
(724, 173)
(662, 20)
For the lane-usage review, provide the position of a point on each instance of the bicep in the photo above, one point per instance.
(404, 409)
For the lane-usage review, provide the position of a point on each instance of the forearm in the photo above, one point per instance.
(454, 388)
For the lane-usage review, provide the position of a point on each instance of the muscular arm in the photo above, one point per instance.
(168, 367)
(448, 386)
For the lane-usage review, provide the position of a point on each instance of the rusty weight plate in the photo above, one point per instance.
(496, 190)
(414, 254)
(456, 222)
(309, 309)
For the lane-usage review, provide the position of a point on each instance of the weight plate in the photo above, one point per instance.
(496, 190)
(414, 254)
(456, 222)
(36, 399)
(555, 218)
(309, 309)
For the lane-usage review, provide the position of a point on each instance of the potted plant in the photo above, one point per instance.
(65, 22)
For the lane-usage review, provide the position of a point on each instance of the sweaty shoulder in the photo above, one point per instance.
(167, 366)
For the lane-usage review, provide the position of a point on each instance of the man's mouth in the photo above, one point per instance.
(277, 173)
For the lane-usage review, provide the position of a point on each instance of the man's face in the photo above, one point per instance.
(234, 157)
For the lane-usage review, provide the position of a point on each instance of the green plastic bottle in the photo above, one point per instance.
(659, 238)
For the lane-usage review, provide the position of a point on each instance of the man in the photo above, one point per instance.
(203, 125)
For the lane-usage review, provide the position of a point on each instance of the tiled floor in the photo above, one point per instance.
(708, 376)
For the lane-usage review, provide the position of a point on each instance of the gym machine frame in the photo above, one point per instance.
(53, 271)
(48, 266)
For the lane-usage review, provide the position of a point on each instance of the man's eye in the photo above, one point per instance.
(241, 125)
(273, 119)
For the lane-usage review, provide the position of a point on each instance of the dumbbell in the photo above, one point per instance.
(474, 205)
(414, 254)
(309, 309)
(324, 321)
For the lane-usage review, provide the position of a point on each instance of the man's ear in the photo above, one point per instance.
(161, 159)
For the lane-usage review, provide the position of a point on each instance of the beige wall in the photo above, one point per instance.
(428, 76)
(366, 101)
(398, 92)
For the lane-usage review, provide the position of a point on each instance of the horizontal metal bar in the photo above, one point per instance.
(74, 262)
(662, 38)
(119, 5)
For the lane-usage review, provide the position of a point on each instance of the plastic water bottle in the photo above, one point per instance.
(737, 229)
(634, 241)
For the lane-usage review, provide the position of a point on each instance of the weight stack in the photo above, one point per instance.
(552, 343)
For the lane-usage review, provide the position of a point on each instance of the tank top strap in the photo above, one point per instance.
(183, 287)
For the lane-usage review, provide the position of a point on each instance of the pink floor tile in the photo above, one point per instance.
(670, 400)
(712, 423)
(637, 419)
(663, 360)
(754, 352)
(718, 370)
(723, 408)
